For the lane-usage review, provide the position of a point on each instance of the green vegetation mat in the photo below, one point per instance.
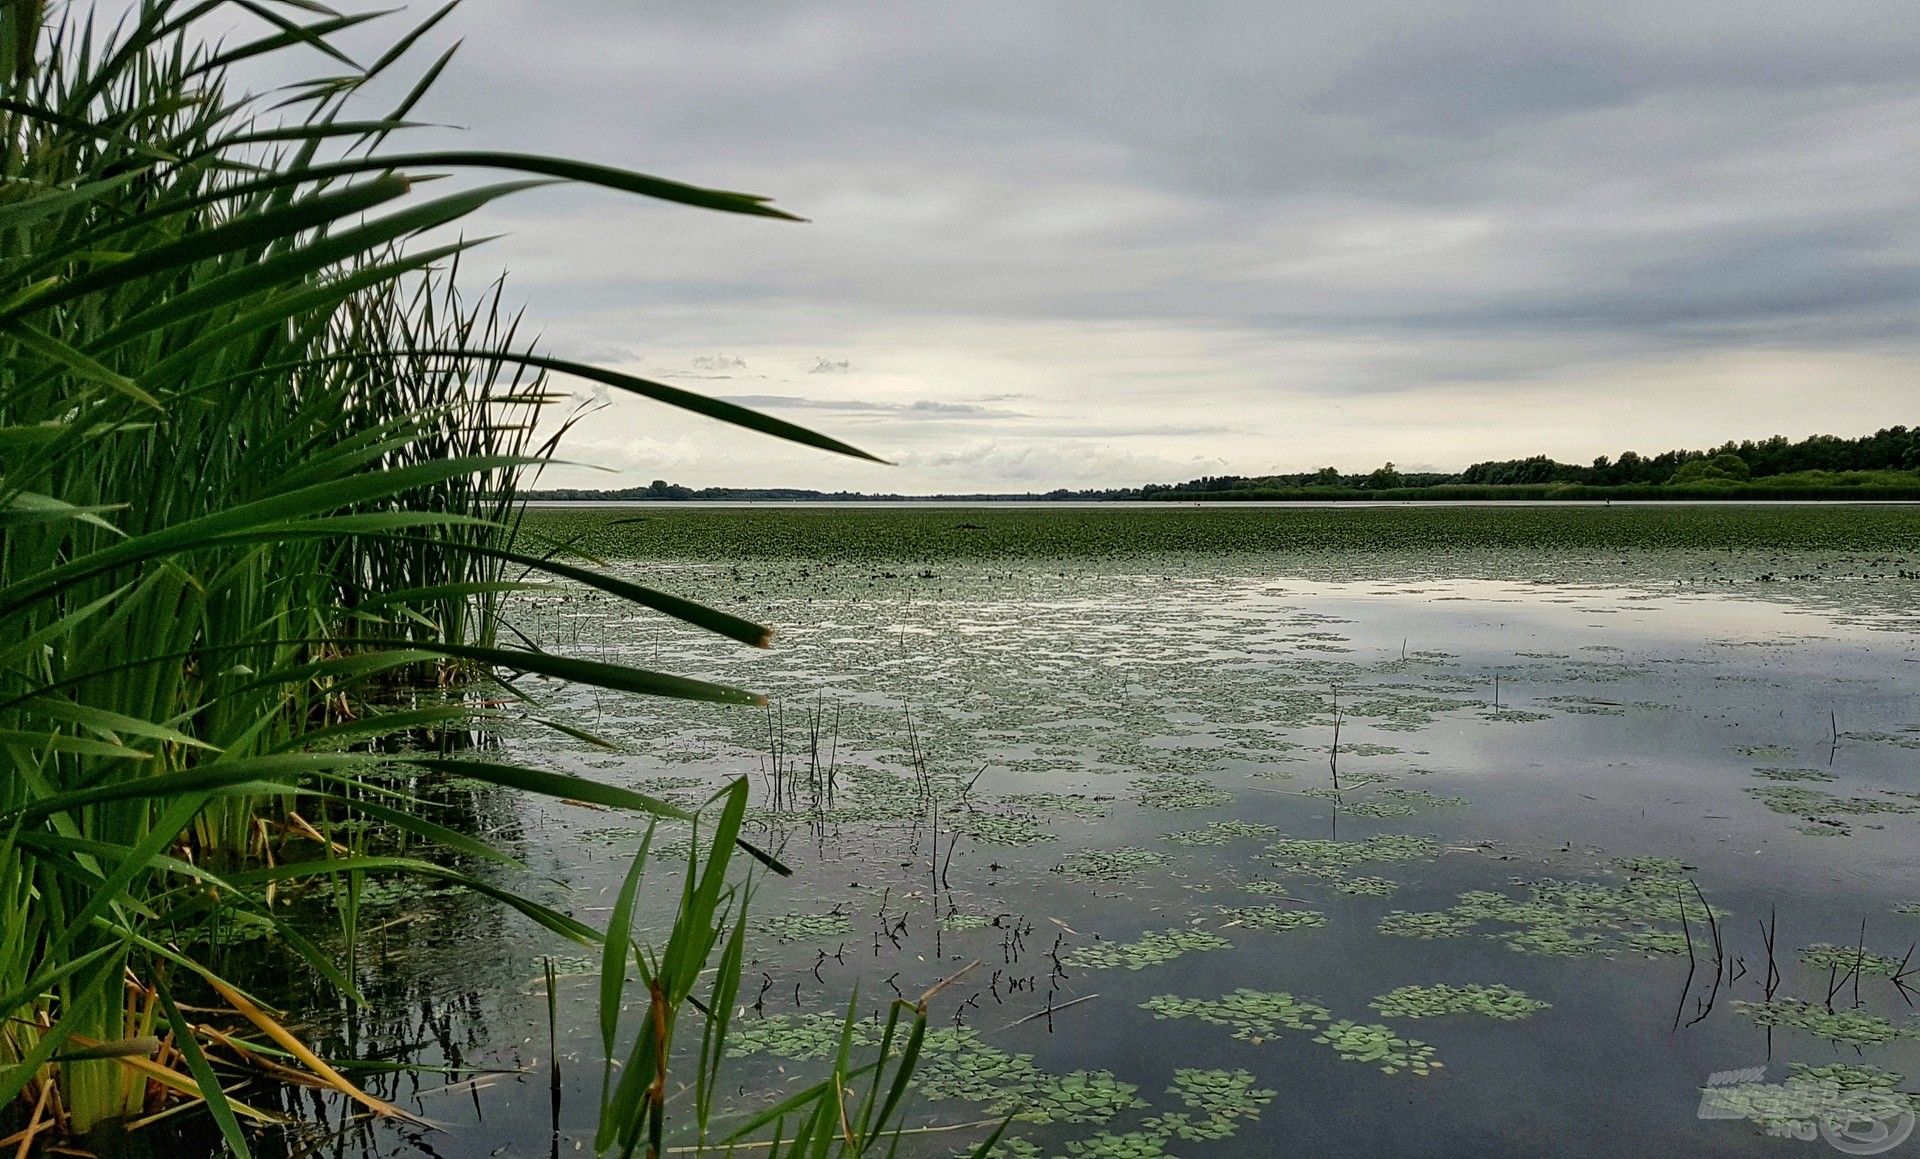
(933, 533)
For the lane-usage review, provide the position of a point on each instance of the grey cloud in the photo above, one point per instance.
(1219, 222)
(1491, 65)
(918, 408)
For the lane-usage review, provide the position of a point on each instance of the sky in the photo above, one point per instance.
(1104, 244)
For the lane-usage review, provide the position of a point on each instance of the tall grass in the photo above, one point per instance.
(259, 461)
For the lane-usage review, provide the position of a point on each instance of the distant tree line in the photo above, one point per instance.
(1892, 449)
(1889, 457)
(660, 489)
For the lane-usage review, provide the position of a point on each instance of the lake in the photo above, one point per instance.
(1342, 832)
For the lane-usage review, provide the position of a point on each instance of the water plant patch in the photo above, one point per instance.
(1496, 1001)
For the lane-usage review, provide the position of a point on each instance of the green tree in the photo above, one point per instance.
(1384, 478)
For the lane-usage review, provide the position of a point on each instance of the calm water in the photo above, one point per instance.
(1538, 776)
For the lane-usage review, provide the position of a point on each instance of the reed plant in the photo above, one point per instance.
(259, 471)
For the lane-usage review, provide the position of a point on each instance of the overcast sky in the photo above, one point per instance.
(1111, 243)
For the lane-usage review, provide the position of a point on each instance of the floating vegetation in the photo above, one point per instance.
(1216, 1101)
(1823, 956)
(958, 1064)
(1656, 941)
(1796, 801)
(965, 922)
(1496, 1001)
(1421, 797)
(1568, 918)
(1779, 774)
(1110, 864)
(1267, 888)
(1272, 917)
(1552, 942)
(1008, 1147)
(999, 828)
(955, 1063)
(1582, 706)
(1368, 886)
(1378, 1045)
(1847, 1076)
(1376, 809)
(1131, 1145)
(1391, 711)
(1253, 1015)
(798, 1037)
(1069, 804)
(1663, 867)
(807, 927)
(1852, 1027)
(1831, 1097)
(1219, 833)
(1514, 715)
(1153, 949)
(618, 836)
(1440, 924)
(1364, 749)
(1299, 853)
(1179, 791)
(1908, 740)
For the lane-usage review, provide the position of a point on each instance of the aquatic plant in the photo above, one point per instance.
(1824, 956)
(956, 1063)
(1009, 1147)
(1777, 774)
(1154, 948)
(1368, 886)
(1110, 864)
(1514, 715)
(1219, 1094)
(998, 828)
(1421, 797)
(798, 1037)
(1127, 1145)
(1847, 1076)
(1297, 853)
(1179, 791)
(807, 927)
(1442, 537)
(1795, 801)
(1377, 1044)
(1376, 809)
(1852, 1027)
(1219, 833)
(1832, 1096)
(260, 467)
(1266, 888)
(1068, 804)
(1253, 1015)
(1655, 941)
(1401, 923)
(1271, 917)
(1496, 1001)
(1552, 942)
